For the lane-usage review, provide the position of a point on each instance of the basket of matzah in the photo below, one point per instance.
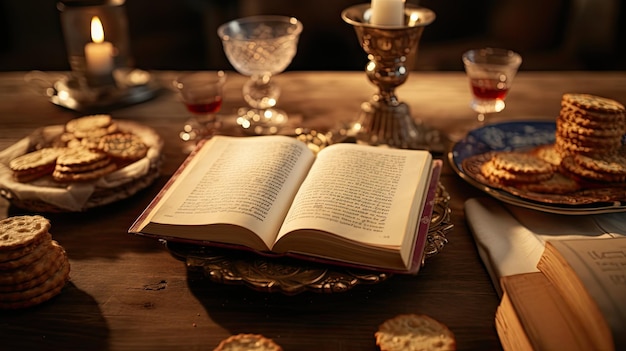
(90, 161)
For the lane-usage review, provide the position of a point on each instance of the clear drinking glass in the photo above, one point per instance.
(201, 93)
(261, 47)
(490, 72)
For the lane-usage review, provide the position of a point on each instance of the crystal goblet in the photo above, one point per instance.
(261, 47)
(490, 72)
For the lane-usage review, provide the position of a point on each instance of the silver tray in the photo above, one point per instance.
(290, 276)
(132, 86)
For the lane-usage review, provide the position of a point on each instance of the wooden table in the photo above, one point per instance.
(128, 292)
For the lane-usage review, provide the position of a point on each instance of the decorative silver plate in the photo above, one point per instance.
(132, 86)
(290, 276)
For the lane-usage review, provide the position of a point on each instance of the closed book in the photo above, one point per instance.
(533, 316)
(590, 275)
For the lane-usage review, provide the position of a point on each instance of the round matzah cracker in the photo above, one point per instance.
(569, 166)
(50, 262)
(29, 284)
(65, 139)
(603, 163)
(10, 255)
(594, 103)
(589, 141)
(20, 231)
(38, 252)
(248, 342)
(569, 127)
(97, 132)
(35, 159)
(547, 153)
(586, 121)
(83, 168)
(501, 176)
(39, 294)
(558, 184)
(123, 146)
(520, 162)
(86, 123)
(35, 164)
(90, 142)
(56, 278)
(411, 332)
(80, 157)
(83, 176)
(567, 146)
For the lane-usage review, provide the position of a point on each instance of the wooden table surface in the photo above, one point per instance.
(128, 292)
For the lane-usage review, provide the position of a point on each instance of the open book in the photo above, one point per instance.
(351, 204)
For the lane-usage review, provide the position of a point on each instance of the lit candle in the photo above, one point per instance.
(99, 53)
(387, 13)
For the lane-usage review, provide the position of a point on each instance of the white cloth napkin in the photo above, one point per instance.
(511, 239)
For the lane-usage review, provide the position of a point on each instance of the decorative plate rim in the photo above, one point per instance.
(290, 276)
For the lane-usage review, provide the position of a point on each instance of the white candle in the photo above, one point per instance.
(99, 53)
(387, 13)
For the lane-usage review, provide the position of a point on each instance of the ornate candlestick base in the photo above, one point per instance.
(381, 124)
(384, 120)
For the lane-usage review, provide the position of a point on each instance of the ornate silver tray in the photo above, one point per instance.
(290, 276)
(132, 86)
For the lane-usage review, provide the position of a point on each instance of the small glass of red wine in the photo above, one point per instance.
(201, 93)
(490, 72)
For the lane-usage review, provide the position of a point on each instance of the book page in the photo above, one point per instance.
(361, 193)
(547, 319)
(601, 266)
(249, 182)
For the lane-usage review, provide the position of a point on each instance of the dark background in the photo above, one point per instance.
(181, 34)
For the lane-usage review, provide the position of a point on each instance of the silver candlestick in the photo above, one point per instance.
(384, 120)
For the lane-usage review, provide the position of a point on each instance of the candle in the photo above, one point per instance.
(98, 53)
(387, 13)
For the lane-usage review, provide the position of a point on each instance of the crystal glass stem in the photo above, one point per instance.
(261, 92)
(261, 47)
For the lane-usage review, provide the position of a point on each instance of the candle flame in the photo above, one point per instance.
(97, 32)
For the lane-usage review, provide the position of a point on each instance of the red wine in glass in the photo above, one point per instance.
(489, 89)
(490, 72)
(201, 93)
(205, 106)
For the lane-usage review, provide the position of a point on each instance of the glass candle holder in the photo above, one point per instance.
(96, 38)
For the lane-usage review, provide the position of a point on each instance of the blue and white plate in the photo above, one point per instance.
(523, 135)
